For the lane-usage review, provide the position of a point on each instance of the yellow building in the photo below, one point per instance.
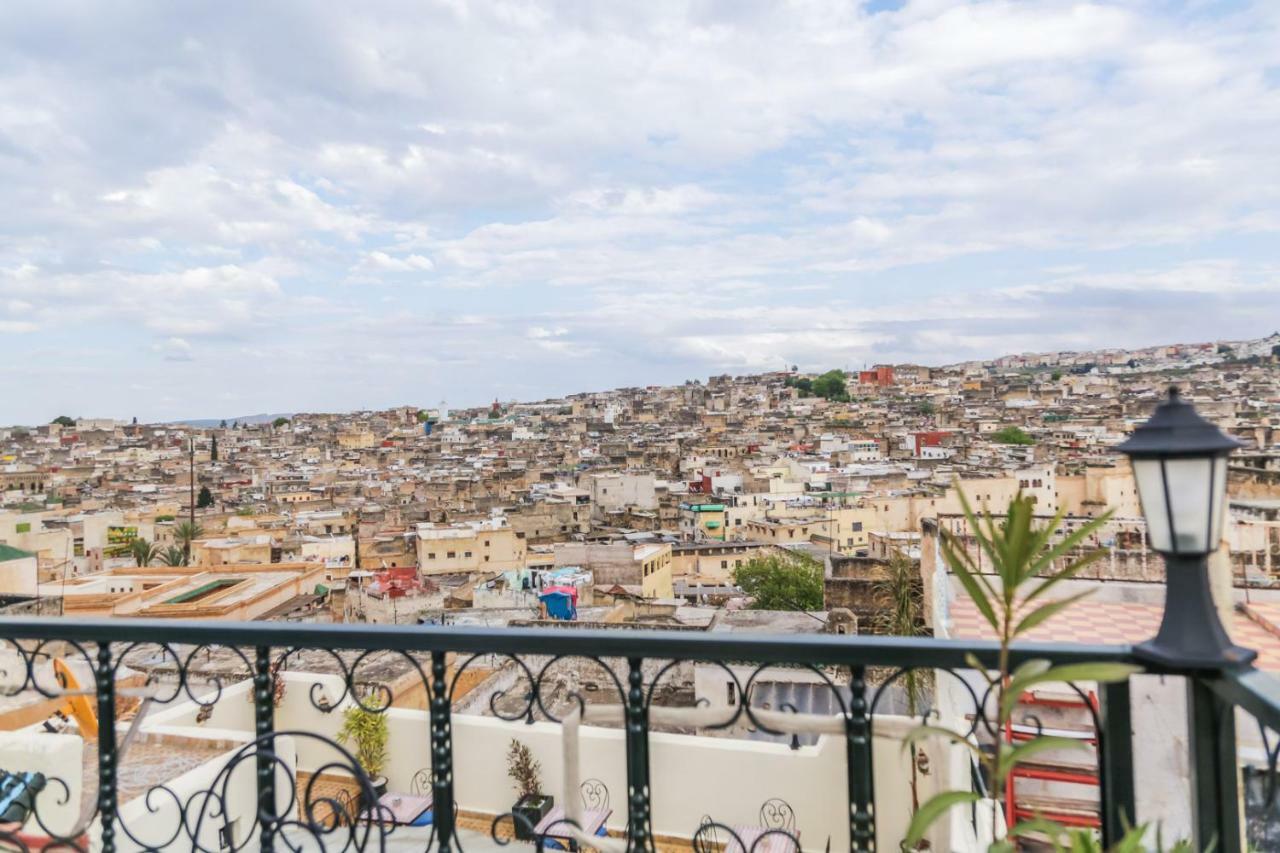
(703, 521)
(655, 570)
(470, 546)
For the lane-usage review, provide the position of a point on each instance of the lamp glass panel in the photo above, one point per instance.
(1219, 500)
(1189, 482)
(1150, 480)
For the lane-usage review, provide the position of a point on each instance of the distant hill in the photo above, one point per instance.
(250, 420)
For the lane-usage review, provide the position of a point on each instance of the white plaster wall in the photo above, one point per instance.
(57, 757)
(725, 778)
(151, 819)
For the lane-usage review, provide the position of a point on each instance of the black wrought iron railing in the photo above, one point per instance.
(272, 771)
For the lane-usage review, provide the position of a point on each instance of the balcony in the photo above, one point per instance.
(226, 736)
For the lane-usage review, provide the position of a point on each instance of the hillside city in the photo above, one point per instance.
(640, 494)
(788, 503)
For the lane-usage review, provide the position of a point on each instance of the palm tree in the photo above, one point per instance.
(173, 556)
(143, 552)
(185, 533)
(902, 590)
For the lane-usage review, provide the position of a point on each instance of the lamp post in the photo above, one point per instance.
(1179, 461)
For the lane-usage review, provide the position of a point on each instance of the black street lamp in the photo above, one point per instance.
(1179, 461)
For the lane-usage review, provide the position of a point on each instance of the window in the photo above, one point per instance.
(466, 553)
(486, 558)
(733, 695)
(451, 554)
(724, 564)
(737, 563)
(431, 556)
(856, 527)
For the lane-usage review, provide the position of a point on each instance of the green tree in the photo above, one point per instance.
(185, 533)
(222, 425)
(1056, 375)
(279, 422)
(782, 582)
(1012, 435)
(803, 384)
(63, 420)
(173, 556)
(831, 385)
(205, 498)
(213, 450)
(143, 552)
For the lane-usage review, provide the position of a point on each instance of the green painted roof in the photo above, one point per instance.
(8, 552)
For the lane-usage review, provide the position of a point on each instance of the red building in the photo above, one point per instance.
(881, 375)
(927, 439)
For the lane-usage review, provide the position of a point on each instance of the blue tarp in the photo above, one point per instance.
(559, 605)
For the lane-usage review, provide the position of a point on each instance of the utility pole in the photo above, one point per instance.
(191, 458)
(191, 505)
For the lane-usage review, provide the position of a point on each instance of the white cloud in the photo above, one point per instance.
(633, 193)
(174, 349)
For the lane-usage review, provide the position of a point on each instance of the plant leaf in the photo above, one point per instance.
(934, 808)
(1069, 543)
(919, 733)
(971, 586)
(1009, 758)
(1101, 673)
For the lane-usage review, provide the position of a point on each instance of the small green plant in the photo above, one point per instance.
(1012, 435)
(365, 731)
(524, 770)
(1023, 557)
(1061, 840)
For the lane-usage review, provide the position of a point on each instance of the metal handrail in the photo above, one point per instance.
(826, 649)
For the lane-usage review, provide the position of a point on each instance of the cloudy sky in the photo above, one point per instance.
(299, 206)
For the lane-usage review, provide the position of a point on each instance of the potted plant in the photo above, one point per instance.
(365, 731)
(532, 805)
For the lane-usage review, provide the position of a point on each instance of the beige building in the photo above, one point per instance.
(714, 561)
(645, 569)
(18, 572)
(470, 546)
(235, 592)
(231, 551)
(357, 440)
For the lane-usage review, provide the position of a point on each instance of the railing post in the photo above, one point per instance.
(105, 682)
(1214, 770)
(637, 733)
(441, 753)
(264, 724)
(862, 825)
(1115, 763)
